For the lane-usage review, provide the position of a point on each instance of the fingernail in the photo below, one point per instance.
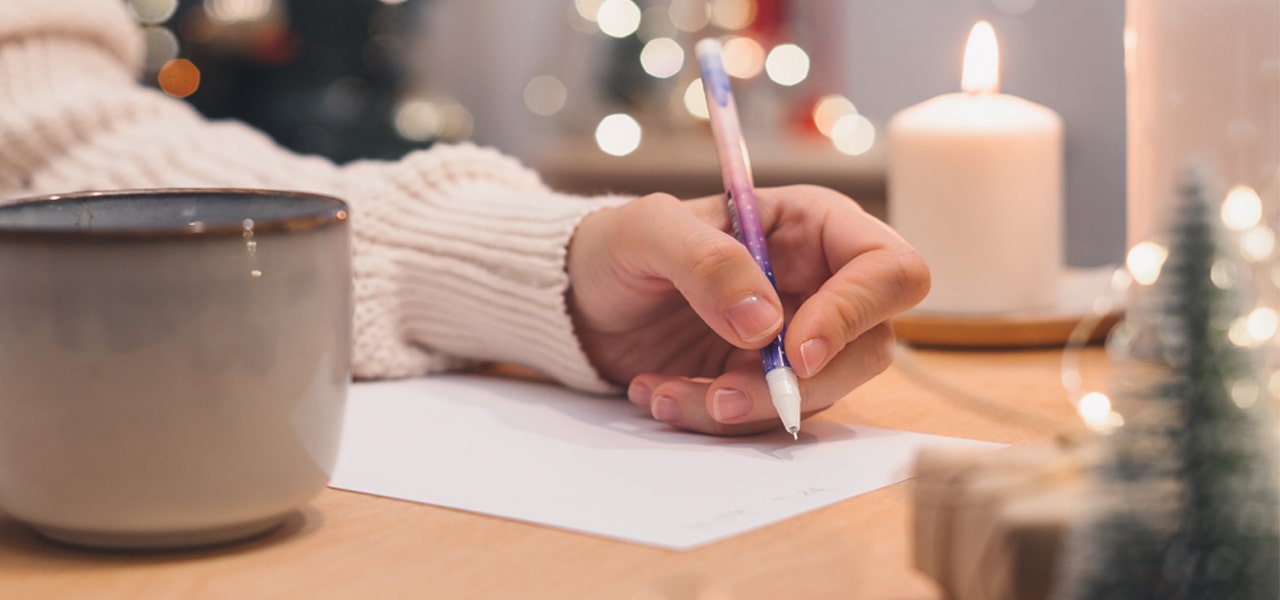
(665, 409)
(813, 354)
(638, 394)
(753, 318)
(728, 405)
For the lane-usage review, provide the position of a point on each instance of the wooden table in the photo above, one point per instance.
(349, 545)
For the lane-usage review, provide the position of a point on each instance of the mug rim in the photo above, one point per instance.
(330, 211)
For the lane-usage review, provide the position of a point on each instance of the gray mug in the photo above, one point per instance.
(173, 363)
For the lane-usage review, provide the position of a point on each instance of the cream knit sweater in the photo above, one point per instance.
(459, 252)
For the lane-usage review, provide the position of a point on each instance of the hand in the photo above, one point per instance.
(667, 302)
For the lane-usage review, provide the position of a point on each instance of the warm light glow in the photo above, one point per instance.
(655, 22)
(853, 135)
(618, 134)
(743, 57)
(1244, 393)
(733, 14)
(981, 61)
(1263, 323)
(418, 120)
(787, 64)
(1255, 329)
(1095, 409)
(237, 11)
(1145, 260)
(618, 18)
(587, 9)
(695, 99)
(662, 57)
(1223, 274)
(456, 122)
(179, 77)
(545, 95)
(1258, 243)
(830, 109)
(689, 15)
(153, 12)
(1273, 383)
(162, 47)
(1242, 208)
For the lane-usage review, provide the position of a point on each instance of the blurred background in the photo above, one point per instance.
(602, 95)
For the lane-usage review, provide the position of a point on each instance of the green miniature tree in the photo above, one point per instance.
(1187, 503)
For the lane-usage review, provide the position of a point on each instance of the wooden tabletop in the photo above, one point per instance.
(350, 545)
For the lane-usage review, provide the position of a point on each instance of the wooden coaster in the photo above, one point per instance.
(1029, 329)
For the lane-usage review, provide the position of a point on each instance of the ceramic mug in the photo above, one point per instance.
(173, 363)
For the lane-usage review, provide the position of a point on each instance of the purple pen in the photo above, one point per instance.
(731, 150)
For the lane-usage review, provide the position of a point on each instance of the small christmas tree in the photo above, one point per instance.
(1187, 498)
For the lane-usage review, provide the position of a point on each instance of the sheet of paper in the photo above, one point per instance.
(541, 453)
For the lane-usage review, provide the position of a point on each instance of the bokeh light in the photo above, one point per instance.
(690, 15)
(588, 9)
(545, 95)
(829, 109)
(733, 14)
(1145, 261)
(695, 99)
(853, 134)
(179, 78)
(237, 11)
(418, 120)
(1242, 208)
(161, 47)
(618, 18)
(743, 57)
(655, 22)
(1095, 410)
(618, 134)
(662, 57)
(787, 64)
(1258, 244)
(153, 12)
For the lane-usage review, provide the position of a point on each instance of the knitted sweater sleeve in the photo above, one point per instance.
(459, 251)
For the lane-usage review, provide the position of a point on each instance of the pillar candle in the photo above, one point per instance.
(975, 184)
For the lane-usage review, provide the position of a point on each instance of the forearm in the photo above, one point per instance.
(459, 251)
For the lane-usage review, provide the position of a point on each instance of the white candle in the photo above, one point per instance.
(975, 184)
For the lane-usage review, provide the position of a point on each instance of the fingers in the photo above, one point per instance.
(715, 274)
(867, 274)
(738, 402)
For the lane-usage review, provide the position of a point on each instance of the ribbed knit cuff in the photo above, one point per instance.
(462, 254)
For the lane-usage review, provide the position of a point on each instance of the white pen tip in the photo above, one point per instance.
(785, 389)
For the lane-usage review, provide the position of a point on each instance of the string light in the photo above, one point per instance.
(153, 12)
(618, 134)
(695, 100)
(689, 15)
(829, 109)
(545, 95)
(733, 14)
(743, 57)
(179, 78)
(787, 64)
(1145, 260)
(237, 11)
(618, 18)
(853, 134)
(1242, 208)
(662, 57)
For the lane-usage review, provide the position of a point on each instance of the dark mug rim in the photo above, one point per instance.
(327, 211)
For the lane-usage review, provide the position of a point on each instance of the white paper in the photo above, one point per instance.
(541, 453)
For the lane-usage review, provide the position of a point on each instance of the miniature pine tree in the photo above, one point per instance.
(1187, 498)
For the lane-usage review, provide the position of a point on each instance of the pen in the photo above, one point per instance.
(731, 150)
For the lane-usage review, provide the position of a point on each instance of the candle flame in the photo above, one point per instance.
(981, 61)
